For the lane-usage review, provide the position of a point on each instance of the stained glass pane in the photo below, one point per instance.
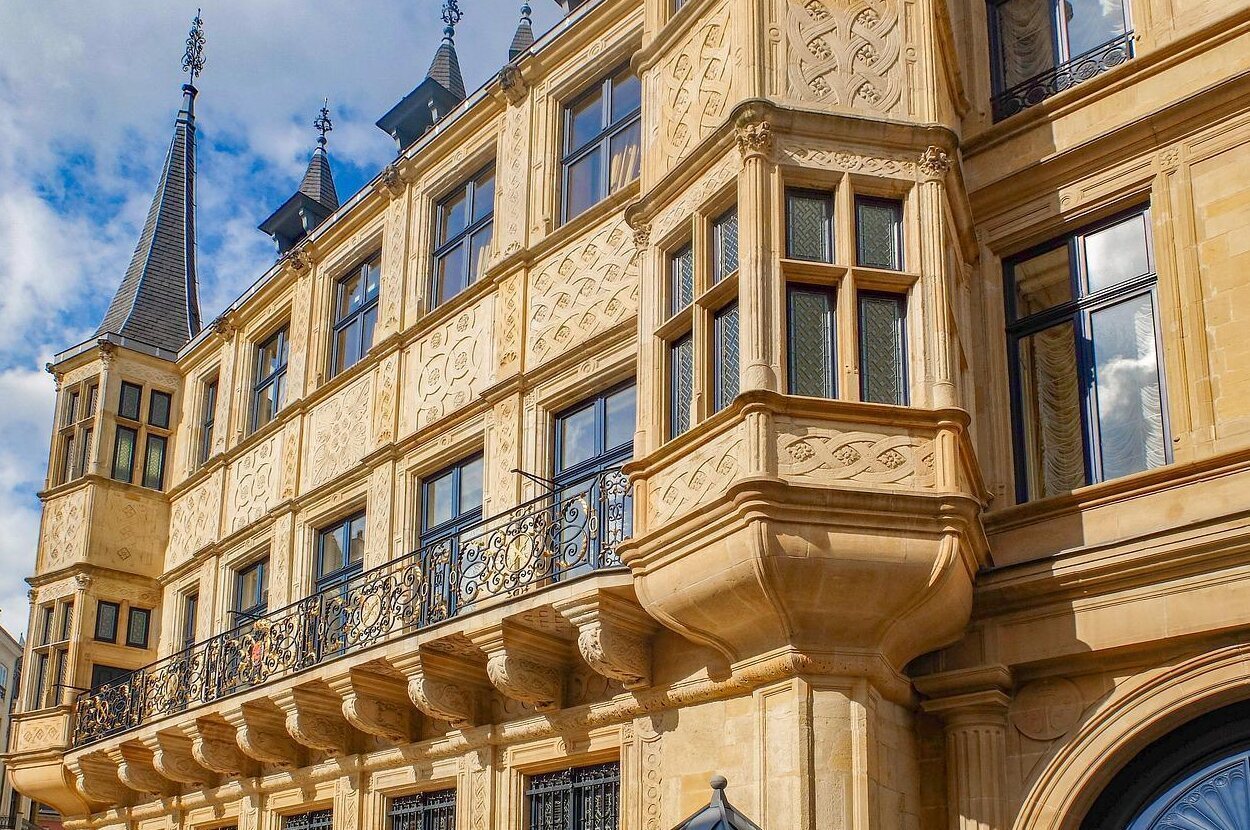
(1126, 370)
(1042, 281)
(681, 280)
(725, 232)
(124, 454)
(137, 627)
(811, 333)
(809, 226)
(681, 369)
(106, 621)
(158, 409)
(881, 349)
(726, 357)
(129, 405)
(878, 231)
(154, 462)
(1117, 253)
(1050, 400)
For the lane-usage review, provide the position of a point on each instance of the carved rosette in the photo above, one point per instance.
(935, 163)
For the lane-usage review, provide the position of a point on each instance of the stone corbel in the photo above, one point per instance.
(96, 778)
(613, 636)
(223, 327)
(524, 664)
(443, 686)
(299, 260)
(57, 377)
(173, 758)
(513, 84)
(391, 182)
(214, 746)
(260, 731)
(137, 771)
(377, 704)
(314, 718)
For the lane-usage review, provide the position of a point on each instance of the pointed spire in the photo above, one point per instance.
(315, 199)
(445, 68)
(157, 302)
(434, 97)
(523, 39)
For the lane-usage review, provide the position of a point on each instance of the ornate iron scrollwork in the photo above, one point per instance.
(1066, 75)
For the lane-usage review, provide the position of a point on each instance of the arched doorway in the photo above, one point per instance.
(1194, 778)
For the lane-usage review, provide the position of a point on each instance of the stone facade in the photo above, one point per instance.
(852, 609)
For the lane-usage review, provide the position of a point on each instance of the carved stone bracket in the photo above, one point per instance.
(107, 351)
(314, 717)
(443, 686)
(97, 779)
(136, 770)
(377, 704)
(260, 731)
(513, 84)
(223, 327)
(613, 637)
(524, 664)
(934, 163)
(214, 746)
(391, 182)
(298, 259)
(173, 758)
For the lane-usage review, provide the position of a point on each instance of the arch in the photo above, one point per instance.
(1136, 714)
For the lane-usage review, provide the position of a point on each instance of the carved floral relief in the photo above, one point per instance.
(845, 54)
(696, 85)
(338, 433)
(826, 454)
(447, 368)
(193, 520)
(254, 483)
(697, 478)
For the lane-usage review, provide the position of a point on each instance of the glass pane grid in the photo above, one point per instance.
(726, 232)
(727, 356)
(878, 225)
(811, 343)
(682, 384)
(682, 273)
(808, 227)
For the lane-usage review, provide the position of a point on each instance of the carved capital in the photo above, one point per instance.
(136, 771)
(935, 163)
(82, 581)
(260, 731)
(314, 717)
(525, 664)
(642, 235)
(755, 138)
(298, 259)
(57, 377)
(173, 758)
(513, 84)
(378, 704)
(223, 328)
(214, 746)
(107, 352)
(613, 637)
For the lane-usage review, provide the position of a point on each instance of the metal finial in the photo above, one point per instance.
(322, 124)
(526, 11)
(193, 58)
(451, 13)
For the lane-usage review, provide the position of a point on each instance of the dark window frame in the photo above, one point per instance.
(158, 482)
(567, 785)
(831, 292)
(425, 810)
(146, 615)
(830, 237)
(190, 614)
(275, 378)
(138, 398)
(600, 142)
(347, 569)
(605, 457)
(133, 432)
(901, 353)
(260, 603)
(208, 419)
(1078, 310)
(117, 616)
(168, 397)
(357, 316)
(464, 237)
(897, 206)
(102, 674)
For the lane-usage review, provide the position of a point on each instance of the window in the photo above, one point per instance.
(158, 409)
(465, 222)
(424, 811)
(340, 551)
(76, 431)
(269, 390)
(681, 383)
(725, 245)
(879, 233)
(4, 682)
(190, 611)
(1084, 355)
(681, 279)
(582, 798)
(49, 661)
(810, 330)
(67, 618)
(355, 313)
(882, 357)
(137, 626)
(1029, 39)
(809, 225)
(315, 820)
(128, 405)
(153, 437)
(725, 379)
(208, 420)
(106, 617)
(602, 131)
(451, 502)
(154, 462)
(102, 675)
(251, 591)
(596, 435)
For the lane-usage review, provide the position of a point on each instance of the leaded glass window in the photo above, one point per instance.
(725, 358)
(725, 245)
(810, 335)
(131, 397)
(602, 141)
(1087, 383)
(124, 454)
(315, 820)
(137, 625)
(158, 409)
(424, 811)
(879, 233)
(106, 614)
(809, 225)
(681, 393)
(465, 224)
(681, 279)
(882, 372)
(582, 798)
(154, 462)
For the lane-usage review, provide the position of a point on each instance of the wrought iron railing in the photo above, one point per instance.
(1066, 75)
(555, 537)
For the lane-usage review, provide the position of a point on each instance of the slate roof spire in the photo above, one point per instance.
(315, 199)
(434, 97)
(523, 39)
(157, 302)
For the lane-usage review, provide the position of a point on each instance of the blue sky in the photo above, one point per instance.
(88, 95)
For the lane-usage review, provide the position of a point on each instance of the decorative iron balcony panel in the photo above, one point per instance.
(1078, 69)
(553, 538)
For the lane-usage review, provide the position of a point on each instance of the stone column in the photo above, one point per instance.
(935, 282)
(758, 281)
(976, 758)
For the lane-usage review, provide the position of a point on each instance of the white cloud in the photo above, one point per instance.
(87, 101)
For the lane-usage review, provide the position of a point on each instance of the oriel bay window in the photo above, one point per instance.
(49, 666)
(465, 223)
(76, 430)
(133, 433)
(355, 313)
(269, 387)
(1087, 387)
(602, 137)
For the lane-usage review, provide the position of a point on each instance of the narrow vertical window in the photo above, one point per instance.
(137, 625)
(725, 245)
(882, 372)
(465, 225)
(93, 395)
(269, 390)
(106, 616)
(725, 358)
(602, 137)
(810, 331)
(154, 462)
(190, 611)
(809, 225)
(70, 414)
(124, 454)
(84, 450)
(128, 405)
(681, 393)
(340, 551)
(681, 279)
(355, 313)
(158, 409)
(879, 233)
(208, 420)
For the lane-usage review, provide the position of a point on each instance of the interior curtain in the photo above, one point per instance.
(624, 166)
(1059, 457)
(1025, 40)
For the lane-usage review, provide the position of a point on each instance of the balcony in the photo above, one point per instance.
(1077, 70)
(552, 539)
